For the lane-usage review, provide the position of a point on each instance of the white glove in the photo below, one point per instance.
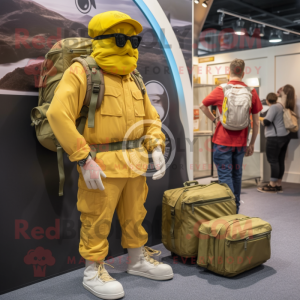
(91, 173)
(159, 163)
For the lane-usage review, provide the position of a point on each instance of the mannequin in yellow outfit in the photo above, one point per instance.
(121, 186)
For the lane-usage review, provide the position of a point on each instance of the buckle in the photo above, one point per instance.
(96, 88)
(130, 145)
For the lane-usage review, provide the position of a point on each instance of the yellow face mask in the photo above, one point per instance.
(113, 59)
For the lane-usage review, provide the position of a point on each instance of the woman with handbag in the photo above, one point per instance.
(278, 137)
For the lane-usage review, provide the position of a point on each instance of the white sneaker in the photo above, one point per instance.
(142, 264)
(97, 281)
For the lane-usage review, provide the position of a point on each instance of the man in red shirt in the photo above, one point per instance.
(230, 146)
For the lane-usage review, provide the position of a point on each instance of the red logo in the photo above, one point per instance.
(40, 258)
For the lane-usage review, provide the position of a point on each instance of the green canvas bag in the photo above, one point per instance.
(61, 56)
(234, 244)
(185, 209)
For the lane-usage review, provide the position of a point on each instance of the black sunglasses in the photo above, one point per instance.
(121, 39)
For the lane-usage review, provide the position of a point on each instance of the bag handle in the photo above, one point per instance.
(188, 183)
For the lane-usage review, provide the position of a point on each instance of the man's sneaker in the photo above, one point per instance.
(279, 189)
(268, 189)
(97, 281)
(142, 264)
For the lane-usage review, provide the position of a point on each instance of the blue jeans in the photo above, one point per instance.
(229, 162)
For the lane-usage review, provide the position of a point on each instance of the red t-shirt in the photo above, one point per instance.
(224, 136)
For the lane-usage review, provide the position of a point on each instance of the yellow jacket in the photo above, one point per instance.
(122, 107)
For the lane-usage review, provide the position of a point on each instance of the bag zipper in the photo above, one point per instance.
(79, 50)
(202, 203)
(254, 237)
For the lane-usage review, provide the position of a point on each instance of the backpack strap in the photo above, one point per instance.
(138, 79)
(225, 87)
(82, 119)
(61, 169)
(95, 86)
(60, 151)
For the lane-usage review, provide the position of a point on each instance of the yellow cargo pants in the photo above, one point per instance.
(127, 196)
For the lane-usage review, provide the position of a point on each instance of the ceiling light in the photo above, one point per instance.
(204, 4)
(252, 29)
(197, 1)
(261, 30)
(258, 22)
(275, 37)
(239, 28)
(221, 19)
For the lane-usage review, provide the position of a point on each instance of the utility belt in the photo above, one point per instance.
(98, 148)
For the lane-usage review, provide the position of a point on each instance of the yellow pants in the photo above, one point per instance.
(97, 208)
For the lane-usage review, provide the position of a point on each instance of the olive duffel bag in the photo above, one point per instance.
(184, 209)
(234, 244)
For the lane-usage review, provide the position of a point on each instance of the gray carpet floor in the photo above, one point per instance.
(279, 278)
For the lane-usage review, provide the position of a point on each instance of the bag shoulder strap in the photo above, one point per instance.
(224, 84)
(249, 89)
(225, 87)
(138, 79)
(281, 105)
(95, 86)
(241, 86)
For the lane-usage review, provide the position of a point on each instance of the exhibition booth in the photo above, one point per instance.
(267, 70)
(110, 185)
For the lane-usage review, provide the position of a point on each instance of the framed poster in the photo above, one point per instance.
(220, 79)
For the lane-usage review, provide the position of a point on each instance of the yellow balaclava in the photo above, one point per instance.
(108, 55)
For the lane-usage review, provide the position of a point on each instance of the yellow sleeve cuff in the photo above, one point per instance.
(80, 154)
(151, 144)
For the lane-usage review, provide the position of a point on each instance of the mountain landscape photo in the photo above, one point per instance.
(28, 30)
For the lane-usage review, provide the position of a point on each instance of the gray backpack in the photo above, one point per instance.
(236, 104)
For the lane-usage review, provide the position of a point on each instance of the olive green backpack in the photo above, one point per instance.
(61, 56)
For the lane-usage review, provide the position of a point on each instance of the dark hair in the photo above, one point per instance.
(272, 98)
(237, 67)
(290, 96)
